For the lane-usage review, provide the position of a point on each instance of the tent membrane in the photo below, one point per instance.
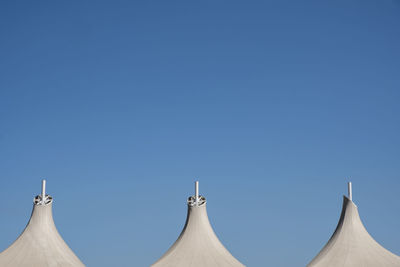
(197, 245)
(40, 244)
(351, 245)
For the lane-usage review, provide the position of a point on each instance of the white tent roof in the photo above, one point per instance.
(351, 245)
(40, 244)
(197, 245)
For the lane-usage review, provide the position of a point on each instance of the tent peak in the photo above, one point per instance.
(197, 245)
(351, 244)
(43, 199)
(201, 201)
(196, 200)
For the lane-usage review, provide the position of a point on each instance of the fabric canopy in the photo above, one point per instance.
(40, 244)
(352, 246)
(197, 245)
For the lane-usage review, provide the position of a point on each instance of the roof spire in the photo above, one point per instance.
(351, 244)
(43, 192)
(40, 244)
(197, 245)
(350, 191)
(196, 185)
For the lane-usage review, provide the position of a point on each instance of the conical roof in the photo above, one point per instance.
(40, 244)
(197, 245)
(351, 245)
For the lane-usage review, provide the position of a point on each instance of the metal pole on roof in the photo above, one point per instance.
(197, 192)
(350, 191)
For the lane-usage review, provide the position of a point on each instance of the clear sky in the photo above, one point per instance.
(272, 105)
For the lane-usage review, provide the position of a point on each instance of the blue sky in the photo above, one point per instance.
(272, 105)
